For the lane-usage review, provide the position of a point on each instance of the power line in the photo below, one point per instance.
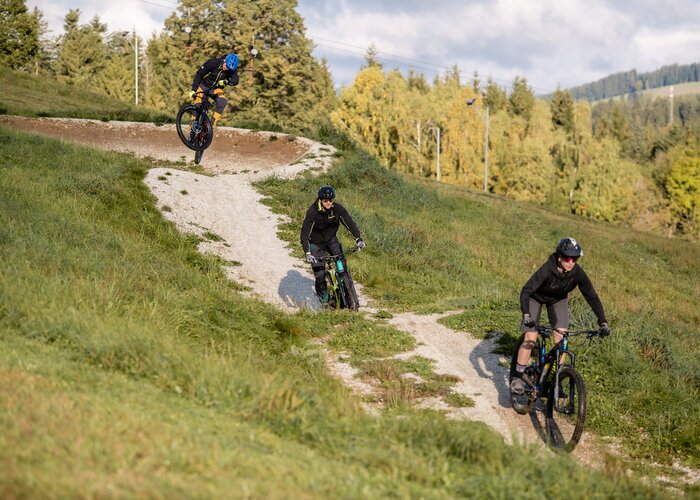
(410, 62)
(170, 7)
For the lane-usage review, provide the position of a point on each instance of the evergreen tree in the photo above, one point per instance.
(562, 107)
(19, 36)
(495, 97)
(41, 63)
(81, 51)
(287, 87)
(683, 186)
(371, 57)
(476, 83)
(521, 100)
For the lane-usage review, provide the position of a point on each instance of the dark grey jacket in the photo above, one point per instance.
(320, 225)
(549, 285)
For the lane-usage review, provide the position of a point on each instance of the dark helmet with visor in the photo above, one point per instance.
(326, 193)
(569, 247)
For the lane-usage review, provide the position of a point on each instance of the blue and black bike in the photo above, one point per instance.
(551, 375)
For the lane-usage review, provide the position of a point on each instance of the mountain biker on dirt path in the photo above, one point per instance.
(550, 286)
(318, 234)
(215, 74)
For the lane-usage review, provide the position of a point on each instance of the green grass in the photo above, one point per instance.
(130, 366)
(27, 95)
(437, 248)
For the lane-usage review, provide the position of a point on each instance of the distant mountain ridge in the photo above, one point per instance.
(627, 82)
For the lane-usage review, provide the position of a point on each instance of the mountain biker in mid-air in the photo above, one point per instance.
(318, 234)
(550, 286)
(215, 74)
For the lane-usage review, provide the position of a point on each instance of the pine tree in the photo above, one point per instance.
(521, 100)
(562, 106)
(81, 51)
(683, 186)
(287, 87)
(495, 97)
(19, 36)
(371, 57)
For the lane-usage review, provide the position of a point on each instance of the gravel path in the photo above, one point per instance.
(225, 211)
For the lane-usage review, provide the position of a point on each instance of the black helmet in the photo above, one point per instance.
(569, 247)
(326, 193)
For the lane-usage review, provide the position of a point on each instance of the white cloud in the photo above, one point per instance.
(123, 15)
(549, 42)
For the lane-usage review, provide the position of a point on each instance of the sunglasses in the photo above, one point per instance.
(566, 258)
(326, 201)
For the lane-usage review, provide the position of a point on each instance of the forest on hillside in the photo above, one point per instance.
(631, 82)
(631, 161)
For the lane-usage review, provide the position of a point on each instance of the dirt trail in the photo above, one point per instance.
(223, 208)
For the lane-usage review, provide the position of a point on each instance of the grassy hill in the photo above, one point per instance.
(130, 365)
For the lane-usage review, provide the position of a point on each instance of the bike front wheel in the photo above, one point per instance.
(566, 410)
(332, 288)
(194, 127)
(198, 156)
(350, 293)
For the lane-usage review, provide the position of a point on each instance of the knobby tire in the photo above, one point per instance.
(565, 417)
(341, 291)
(198, 156)
(188, 115)
(350, 293)
(521, 404)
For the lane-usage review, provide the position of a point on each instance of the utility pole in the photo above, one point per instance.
(135, 46)
(436, 131)
(136, 67)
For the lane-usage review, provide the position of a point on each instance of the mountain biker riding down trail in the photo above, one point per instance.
(318, 234)
(550, 286)
(215, 74)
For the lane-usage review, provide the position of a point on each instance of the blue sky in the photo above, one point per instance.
(549, 42)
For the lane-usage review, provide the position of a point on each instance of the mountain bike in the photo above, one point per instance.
(552, 375)
(341, 289)
(194, 125)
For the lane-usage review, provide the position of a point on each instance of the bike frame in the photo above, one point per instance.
(337, 271)
(554, 359)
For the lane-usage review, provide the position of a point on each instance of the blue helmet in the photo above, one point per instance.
(231, 61)
(326, 193)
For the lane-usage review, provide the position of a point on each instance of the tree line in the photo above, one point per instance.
(283, 85)
(632, 161)
(628, 161)
(631, 82)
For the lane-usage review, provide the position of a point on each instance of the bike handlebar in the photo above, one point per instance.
(546, 331)
(326, 258)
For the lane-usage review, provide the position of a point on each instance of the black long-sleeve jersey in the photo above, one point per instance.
(320, 225)
(211, 72)
(548, 285)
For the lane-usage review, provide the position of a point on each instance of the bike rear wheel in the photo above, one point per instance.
(194, 127)
(566, 410)
(521, 403)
